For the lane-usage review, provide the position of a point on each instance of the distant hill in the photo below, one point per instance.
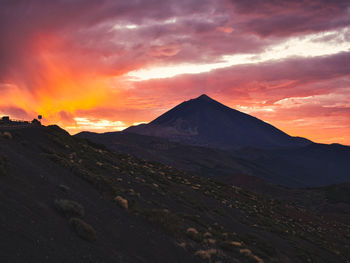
(207, 162)
(67, 199)
(206, 122)
(312, 165)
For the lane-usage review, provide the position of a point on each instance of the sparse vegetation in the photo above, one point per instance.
(69, 208)
(170, 222)
(83, 230)
(122, 202)
(203, 254)
(64, 188)
(7, 135)
(174, 202)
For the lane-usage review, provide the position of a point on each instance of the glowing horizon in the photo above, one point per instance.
(119, 65)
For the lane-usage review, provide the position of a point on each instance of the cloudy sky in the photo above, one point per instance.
(105, 64)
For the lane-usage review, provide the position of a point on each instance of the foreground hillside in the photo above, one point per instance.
(247, 167)
(65, 199)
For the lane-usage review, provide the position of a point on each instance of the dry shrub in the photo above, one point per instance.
(211, 241)
(236, 243)
(193, 234)
(83, 230)
(205, 255)
(192, 231)
(69, 207)
(170, 222)
(232, 246)
(122, 202)
(247, 252)
(207, 235)
(64, 188)
(7, 135)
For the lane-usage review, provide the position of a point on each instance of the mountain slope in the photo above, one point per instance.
(308, 166)
(65, 199)
(312, 165)
(206, 122)
(207, 162)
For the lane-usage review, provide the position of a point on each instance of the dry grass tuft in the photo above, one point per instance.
(192, 231)
(203, 254)
(207, 235)
(83, 230)
(69, 207)
(7, 135)
(236, 243)
(247, 252)
(122, 202)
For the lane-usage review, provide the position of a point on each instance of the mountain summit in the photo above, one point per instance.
(206, 122)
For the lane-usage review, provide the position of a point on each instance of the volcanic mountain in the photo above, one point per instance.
(206, 122)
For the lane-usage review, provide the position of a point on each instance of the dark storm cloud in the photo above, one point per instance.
(85, 29)
(284, 18)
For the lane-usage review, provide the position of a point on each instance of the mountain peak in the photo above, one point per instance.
(204, 97)
(206, 122)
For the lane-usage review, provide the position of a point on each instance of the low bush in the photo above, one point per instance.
(194, 234)
(83, 229)
(122, 202)
(69, 207)
(64, 188)
(170, 222)
(203, 254)
(7, 135)
(230, 245)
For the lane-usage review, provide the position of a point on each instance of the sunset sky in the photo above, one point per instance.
(104, 65)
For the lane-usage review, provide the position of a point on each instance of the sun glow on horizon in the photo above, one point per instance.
(107, 73)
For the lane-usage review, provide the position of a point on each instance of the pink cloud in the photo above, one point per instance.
(73, 56)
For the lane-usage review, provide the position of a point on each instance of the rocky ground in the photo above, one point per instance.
(65, 199)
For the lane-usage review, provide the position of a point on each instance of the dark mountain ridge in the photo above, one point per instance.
(206, 122)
